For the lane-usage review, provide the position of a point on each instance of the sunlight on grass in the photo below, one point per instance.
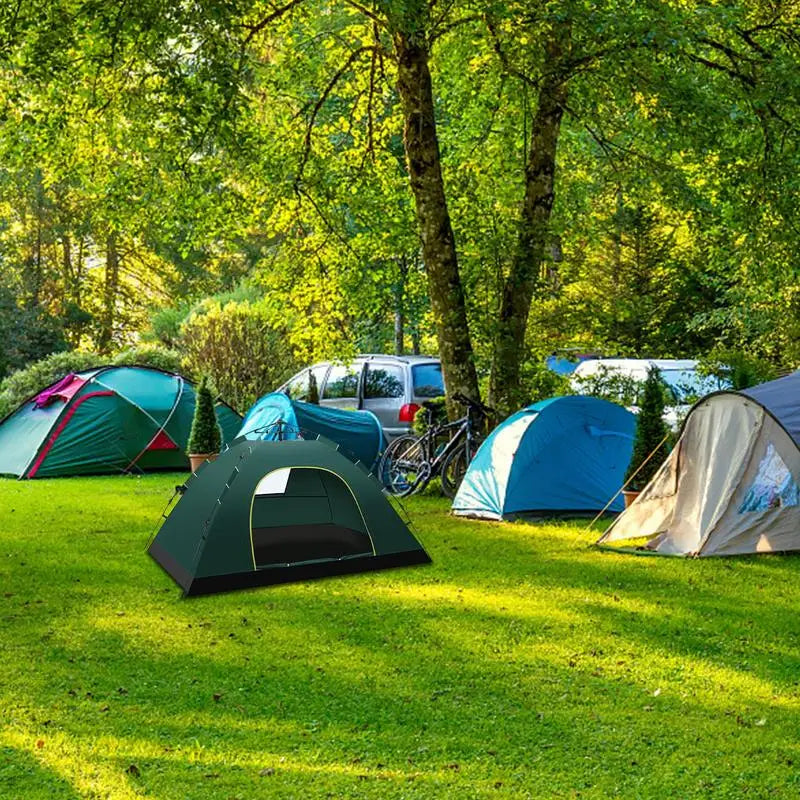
(521, 663)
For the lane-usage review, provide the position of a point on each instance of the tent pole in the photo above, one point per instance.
(627, 483)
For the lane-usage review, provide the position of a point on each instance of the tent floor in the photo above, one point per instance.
(290, 573)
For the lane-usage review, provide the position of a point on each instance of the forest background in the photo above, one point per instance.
(243, 188)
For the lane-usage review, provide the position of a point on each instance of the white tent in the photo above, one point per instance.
(730, 485)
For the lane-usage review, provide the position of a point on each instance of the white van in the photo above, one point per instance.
(680, 374)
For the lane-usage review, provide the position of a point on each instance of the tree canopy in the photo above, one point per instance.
(489, 181)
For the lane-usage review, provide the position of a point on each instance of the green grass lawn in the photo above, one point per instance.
(521, 663)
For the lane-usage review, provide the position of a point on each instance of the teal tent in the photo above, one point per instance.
(562, 456)
(105, 420)
(276, 417)
(274, 512)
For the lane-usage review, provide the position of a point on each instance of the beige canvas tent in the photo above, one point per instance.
(730, 485)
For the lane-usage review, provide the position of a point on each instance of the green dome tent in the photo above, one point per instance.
(105, 420)
(274, 512)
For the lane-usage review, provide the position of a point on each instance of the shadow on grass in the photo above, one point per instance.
(24, 776)
(519, 658)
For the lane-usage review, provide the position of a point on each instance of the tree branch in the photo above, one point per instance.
(318, 106)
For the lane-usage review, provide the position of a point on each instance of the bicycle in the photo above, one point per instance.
(410, 462)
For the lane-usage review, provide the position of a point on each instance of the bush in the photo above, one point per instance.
(420, 423)
(237, 348)
(651, 431)
(149, 355)
(741, 369)
(165, 326)
(609, 384)
(24, 383)
(539, 382)
(205, 437)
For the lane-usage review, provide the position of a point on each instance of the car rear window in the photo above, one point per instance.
(428, 380)
(383, 381)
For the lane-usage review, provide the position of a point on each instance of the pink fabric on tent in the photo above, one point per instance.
(64, 389)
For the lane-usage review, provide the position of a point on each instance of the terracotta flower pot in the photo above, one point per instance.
(196, 459)
(630, 495)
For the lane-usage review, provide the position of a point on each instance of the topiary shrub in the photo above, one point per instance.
(206, 437)
(651, 431)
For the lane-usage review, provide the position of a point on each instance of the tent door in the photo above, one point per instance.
(302, 514)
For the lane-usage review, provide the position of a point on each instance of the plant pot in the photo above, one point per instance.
(196, 459)
(630, 495)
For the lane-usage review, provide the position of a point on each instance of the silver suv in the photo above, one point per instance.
(391, 387)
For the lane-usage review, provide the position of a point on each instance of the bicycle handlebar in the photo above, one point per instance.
(476, 404)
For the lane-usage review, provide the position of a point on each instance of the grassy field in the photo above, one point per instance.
(522, 663)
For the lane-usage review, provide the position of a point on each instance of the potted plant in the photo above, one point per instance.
(651, 433)
(206, 437)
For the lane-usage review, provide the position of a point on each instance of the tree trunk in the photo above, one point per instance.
(399, 307)
(505, 392)
(110, 290)
(433, 219)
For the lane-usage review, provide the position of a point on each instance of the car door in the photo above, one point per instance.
(341, 388)
(384, 394)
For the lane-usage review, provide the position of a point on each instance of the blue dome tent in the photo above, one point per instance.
(565, 455)
(275, 417)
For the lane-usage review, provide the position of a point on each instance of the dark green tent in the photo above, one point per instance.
(274, 512)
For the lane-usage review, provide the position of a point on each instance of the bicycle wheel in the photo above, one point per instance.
(404, 467)
(453, 471)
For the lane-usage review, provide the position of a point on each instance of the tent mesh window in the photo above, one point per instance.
(306, 514)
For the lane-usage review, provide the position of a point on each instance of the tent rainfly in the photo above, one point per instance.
(275, 512)
(730, 484)
(562, 456)
(275, 417)
(105, 420)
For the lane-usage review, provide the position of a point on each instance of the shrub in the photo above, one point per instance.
(420, 423)
(205, 436)
(539, 382)
(651, 431)
(150, 355)
(237, 348)
(609, 384)
(25, 383)
(740, 369)
(26, 334)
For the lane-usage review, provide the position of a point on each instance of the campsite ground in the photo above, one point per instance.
(520, 664)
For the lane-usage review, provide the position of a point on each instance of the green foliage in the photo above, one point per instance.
(741, 369)
(556, 653)
(237, 347)
(206, 436)
(150, 355)
(612, 385)
(26, 334)
(539, 382)
(437, 415)
(651, 432)
(165, 325)
(24, 383)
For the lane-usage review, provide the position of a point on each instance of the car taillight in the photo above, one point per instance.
(407, 412)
